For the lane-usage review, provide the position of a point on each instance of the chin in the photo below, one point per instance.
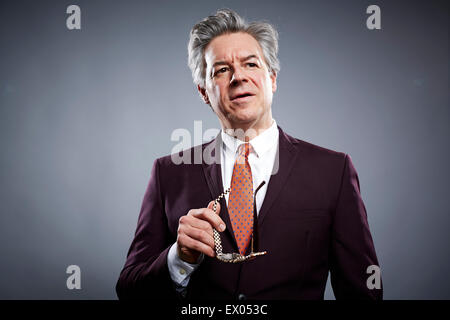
(243, 118)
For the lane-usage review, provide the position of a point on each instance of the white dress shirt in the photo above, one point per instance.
(261, 160)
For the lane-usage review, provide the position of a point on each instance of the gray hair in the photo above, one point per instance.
(228, 21)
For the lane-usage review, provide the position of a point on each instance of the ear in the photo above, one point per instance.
(273, 77)
(203, 94)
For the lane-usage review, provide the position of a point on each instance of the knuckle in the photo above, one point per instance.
(181, 239)
(206, 226)
(196, 233)
(199, 213)
(185, 220)
(203, 235)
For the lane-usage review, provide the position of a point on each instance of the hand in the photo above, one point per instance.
(195, 233)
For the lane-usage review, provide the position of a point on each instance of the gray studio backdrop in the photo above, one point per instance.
(84, 113)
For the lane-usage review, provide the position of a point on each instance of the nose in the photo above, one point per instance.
(238, 76)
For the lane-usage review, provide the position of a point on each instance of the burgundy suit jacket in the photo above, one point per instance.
(312, 221)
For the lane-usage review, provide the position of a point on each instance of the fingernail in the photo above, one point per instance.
(222, 227)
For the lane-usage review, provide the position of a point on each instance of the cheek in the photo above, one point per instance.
(217, 95)
(267, 89)
(213, 92)
(219, 91)
(264, 84)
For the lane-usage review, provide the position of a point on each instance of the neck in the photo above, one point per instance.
(247, 131)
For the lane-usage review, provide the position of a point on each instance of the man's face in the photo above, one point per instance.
(239, 86)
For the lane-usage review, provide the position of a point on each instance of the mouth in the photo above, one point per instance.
(242, 96)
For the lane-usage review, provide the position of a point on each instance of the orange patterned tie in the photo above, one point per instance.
(240, 201)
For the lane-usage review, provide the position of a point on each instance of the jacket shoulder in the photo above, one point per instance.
(308, 148)
(191, 156)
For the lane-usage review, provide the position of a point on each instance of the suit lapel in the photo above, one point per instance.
(213, 175)
(286, 156)
(211, 166)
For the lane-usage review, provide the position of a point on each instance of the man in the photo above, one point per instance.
(308, 215)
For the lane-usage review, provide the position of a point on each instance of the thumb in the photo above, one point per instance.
(210, 206)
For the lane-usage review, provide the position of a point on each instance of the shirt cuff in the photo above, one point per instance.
(180, 271)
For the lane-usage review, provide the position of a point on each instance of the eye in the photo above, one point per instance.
(221, 70)
(252, 64)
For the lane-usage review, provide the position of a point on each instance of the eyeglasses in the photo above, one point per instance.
(237, 257)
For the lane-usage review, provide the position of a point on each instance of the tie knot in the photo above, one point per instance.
(244, 149)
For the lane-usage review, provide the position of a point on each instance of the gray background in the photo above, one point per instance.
(83, 115)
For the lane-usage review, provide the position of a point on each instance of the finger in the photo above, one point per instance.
(221, 227)
(184, 241)
(211, 204)
(198, 234)
(209, 215)
(191, 220)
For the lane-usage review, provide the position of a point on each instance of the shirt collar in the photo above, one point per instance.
(261, 143)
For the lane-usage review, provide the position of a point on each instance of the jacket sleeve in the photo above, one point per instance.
(145, 274)
(352, 249)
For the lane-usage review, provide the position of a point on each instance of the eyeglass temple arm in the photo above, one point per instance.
(255, 237)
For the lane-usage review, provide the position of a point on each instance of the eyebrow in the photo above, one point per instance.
(243, 59)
